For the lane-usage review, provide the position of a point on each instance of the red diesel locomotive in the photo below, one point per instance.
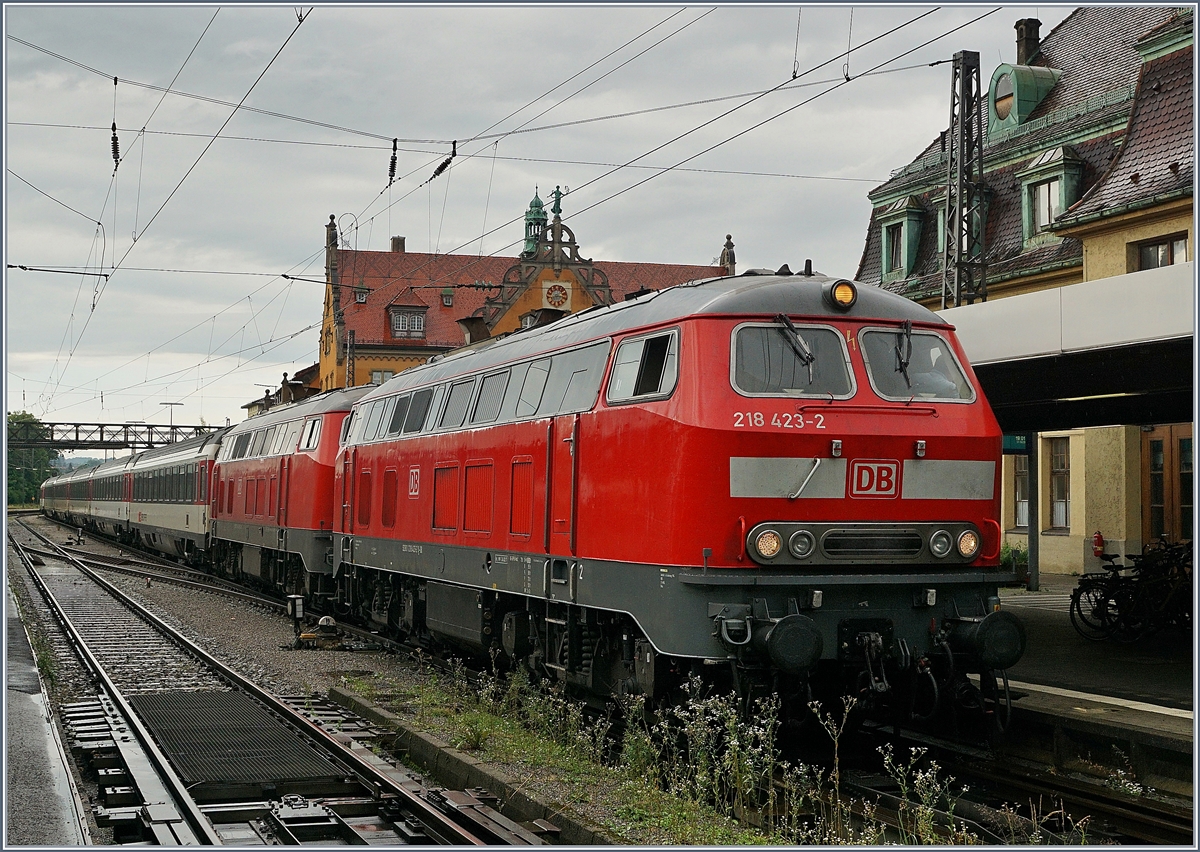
(780, 481)
(783, 483)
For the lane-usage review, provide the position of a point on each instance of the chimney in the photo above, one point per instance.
(398, 242)
(474, 329)
(1028, 41)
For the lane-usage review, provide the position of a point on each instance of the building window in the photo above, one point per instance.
(378, 377)
(1046, 203)
(360, 296)
(895, 246)
(408, 324)
(1163, 253)
(1060, 483)
(1021, 490)
(447, 298)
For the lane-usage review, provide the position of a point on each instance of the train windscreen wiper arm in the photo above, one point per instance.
(904, 358)
(799, 345)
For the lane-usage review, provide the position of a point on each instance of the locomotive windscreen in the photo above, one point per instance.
(927, 369)
(767, 362)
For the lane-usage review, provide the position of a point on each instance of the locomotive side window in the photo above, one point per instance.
(257, 445)
(312, 434)
(574, 380)
(532, 387)
(456, 404)
(772, 359)
(645, 367)
(373, 421)
(914, 364)
(418, 411)
(491, 394)
(398, 414)
(241, 445)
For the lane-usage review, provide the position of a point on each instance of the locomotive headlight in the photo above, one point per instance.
(841, 294)
(968, 544)
(802, 544)
(940, 543)
(768, 544)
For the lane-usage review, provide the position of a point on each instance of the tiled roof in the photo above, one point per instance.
(1096, 50)
(416, 279)
(1005, 229)
(1157, 159)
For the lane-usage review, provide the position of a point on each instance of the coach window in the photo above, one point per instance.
(312, 434)
(456, 404)
(783, 359)
(532, 387)
(491, 394)
(904, 365)
(418, 411)
(646, 367)
(399, 411)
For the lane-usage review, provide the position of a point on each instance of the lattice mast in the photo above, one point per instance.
(964, 262)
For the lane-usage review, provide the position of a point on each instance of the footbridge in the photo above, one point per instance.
(1105, 352)
(99, 436)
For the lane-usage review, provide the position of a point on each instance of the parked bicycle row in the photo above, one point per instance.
(1127, 602)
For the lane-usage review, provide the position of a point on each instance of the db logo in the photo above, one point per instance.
(414, 482)
(874, 478)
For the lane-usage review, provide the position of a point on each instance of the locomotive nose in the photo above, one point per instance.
(793, 643)
(998, 639)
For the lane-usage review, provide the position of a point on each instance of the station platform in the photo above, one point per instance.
(1103, 708)
(43, 808)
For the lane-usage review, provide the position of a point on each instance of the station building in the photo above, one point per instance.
(1089, 166)
(388, 311)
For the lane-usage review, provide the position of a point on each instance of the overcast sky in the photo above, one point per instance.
(195, 311)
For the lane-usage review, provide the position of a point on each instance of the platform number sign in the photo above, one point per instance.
(414, 482)
(874, 478)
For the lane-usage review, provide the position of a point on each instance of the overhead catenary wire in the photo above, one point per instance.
(811, 70)
(171, 195)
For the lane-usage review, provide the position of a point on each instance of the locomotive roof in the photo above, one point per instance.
(749, 294)
(339, 399)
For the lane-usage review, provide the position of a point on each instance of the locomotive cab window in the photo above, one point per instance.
(312, 434)
(398, 414)
(645, 368)
(909, 364)
(784, 359)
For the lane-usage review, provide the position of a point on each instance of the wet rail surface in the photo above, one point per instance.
(189, 752)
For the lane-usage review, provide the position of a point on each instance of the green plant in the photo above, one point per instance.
(476, 730)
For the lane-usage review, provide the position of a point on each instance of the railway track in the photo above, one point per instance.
(1010, 798)
(189, 752)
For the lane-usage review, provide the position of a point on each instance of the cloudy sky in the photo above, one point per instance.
(650, 115)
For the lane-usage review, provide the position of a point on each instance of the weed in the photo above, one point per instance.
(476, 730)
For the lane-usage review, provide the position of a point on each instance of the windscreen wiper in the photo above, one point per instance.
(799, 344)
(904, 351)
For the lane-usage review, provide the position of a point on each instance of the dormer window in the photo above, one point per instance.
(447, 297)
(408, 322)
(1050, 184)
(900, 224)
(1014, 94)
(360, 296)
(1004, 96)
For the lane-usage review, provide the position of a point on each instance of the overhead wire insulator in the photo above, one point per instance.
(116, 146)
(392, 165)
(446, 162)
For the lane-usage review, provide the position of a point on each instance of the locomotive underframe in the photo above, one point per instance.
(595, 624)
